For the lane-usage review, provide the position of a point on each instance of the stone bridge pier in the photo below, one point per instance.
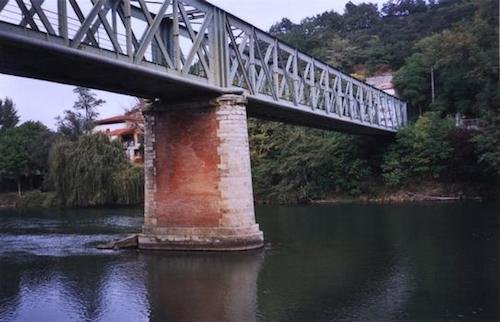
(198, 177)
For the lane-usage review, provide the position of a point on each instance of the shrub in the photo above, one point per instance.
(420, 151)
(487, 144)
(293, 164)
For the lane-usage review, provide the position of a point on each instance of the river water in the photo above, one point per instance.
(321, 263)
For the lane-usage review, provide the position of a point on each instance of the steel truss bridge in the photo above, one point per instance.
(183, 49)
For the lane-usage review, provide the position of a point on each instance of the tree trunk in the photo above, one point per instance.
(19, 192)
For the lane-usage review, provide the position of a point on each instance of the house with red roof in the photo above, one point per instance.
(128, 129)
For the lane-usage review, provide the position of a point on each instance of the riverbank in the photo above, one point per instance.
(400, 197)
(42, 200)
(421, 192)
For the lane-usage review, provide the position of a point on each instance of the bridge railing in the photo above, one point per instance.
(200, 42)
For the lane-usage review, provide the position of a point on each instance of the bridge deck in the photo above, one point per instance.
(182, 49)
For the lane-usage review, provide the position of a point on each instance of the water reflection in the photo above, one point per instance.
(70, 289)
(203, 287)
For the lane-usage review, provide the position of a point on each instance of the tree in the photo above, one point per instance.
(403, 7)
(24, 152)
(81, 119)
(8, 115)
(421, 151)
(413, 82)
(13, 157)
(94, 171)
(465, 61)
(362, 16)
(38, 142)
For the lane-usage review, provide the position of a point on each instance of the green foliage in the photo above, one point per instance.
(421, 151)
(81, 119)
(465, 61)
(8, 115)
(13, 156)
(128, 181)
(339, 53)
(38, 140)
(404, 7)
(94, 171)
(292, 164)
(463, 162)
(487, 144)
(413, 82)
(381, 38)
(24, 151)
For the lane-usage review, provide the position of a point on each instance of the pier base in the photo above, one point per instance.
(198, 177)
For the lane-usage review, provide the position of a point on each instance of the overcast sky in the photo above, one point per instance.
(43, 101)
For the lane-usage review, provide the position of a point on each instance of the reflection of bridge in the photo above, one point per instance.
(205, 68)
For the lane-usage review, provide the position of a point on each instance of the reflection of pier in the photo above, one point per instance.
(203, 287)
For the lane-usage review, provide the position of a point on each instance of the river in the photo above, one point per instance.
(320, 263)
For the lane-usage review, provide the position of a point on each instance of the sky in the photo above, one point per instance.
(43, 101)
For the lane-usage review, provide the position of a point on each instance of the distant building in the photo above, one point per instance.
(383, 82)
(129, 129)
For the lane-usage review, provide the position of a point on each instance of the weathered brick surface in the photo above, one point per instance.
(198, 175)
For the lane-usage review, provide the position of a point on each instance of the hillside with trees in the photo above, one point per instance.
(456, 41)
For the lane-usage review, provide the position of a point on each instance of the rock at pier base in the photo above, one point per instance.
(128, 242)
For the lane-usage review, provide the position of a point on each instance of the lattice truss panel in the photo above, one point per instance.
(264, 66)
(196, 40)
(170, 34)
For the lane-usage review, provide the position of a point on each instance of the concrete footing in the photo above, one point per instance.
(198, 177)
(196, 239)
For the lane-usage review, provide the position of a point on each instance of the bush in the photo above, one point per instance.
(421, 151)
(487, 144)
(94, 171)
(463, 161)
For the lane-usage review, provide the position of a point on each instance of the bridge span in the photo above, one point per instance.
(204, 69)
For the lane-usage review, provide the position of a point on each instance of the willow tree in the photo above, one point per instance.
(93, 171)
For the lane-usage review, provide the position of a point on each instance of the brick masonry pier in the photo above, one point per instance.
(198, 177)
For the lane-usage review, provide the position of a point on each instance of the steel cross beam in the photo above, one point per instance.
(173, 48)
